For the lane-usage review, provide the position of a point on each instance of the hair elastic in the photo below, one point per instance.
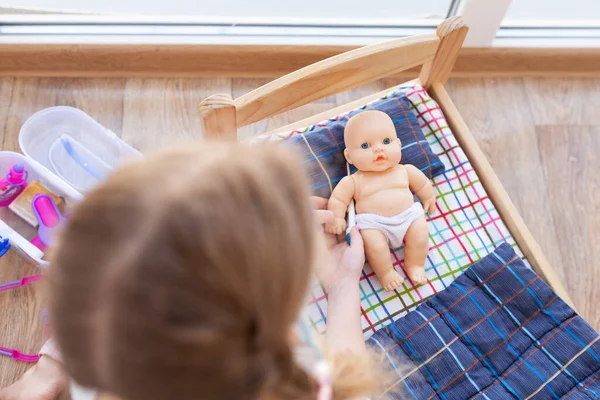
(24, 281)
(7, 351)
(17, 355)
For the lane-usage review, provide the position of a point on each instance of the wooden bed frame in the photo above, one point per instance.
(221, 115)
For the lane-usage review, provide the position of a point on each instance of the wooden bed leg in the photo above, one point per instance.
(452, 33)
(218, 115)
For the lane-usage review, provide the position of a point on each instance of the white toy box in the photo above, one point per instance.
(69, 153)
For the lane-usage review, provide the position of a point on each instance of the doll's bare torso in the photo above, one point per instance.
(384, 193)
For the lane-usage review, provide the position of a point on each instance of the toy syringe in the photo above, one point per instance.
(351, 212)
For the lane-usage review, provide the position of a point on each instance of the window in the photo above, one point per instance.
(553, 13)
(221, 21)
(307, 10)
(505, 23)
(553, 23)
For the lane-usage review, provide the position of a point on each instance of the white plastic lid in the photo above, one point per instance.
(73, 146)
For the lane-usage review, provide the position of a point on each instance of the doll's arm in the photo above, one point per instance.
(338, 204)
(422, 187)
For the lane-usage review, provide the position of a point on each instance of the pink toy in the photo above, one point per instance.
(49, 218)
(13, 184)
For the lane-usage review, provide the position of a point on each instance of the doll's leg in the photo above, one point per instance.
(416, 247)
(380, 259)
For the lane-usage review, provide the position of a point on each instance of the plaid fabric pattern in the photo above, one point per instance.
(497, 332)
(465, 227)
(321, 147)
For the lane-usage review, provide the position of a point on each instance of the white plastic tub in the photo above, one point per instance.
(60, 137)
(69, 153)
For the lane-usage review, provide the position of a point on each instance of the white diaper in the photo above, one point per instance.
(394, 228)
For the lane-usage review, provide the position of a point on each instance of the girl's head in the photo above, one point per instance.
(182, 275)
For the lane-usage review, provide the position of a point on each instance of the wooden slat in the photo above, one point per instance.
(334, 75)
(497, 194)
(452, 33)
(333, 112)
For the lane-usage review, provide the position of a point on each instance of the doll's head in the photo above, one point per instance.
(371, 141)
(186, 285)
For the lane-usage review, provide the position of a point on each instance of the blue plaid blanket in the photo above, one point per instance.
(497, 332)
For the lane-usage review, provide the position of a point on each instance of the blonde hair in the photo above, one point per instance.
(181, 276)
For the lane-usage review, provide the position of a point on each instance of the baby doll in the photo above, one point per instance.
(383, 191)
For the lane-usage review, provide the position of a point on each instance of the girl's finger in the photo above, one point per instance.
(318, 203)
(331, 240)
(323, 216)
(356, 241)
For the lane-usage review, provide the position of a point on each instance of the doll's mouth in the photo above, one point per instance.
(380, 158)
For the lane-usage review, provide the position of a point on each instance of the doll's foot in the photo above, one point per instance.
(391, 280)
(417, 274)
(44, 381)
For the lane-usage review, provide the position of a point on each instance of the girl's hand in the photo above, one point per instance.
(340, 273)
(344, 262)
(46, 380)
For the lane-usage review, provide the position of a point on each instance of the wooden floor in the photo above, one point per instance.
(542, 136)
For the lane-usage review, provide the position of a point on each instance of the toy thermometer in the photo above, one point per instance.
(351, 212)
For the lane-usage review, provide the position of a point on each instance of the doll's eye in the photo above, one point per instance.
(387, 141)
(365, 145)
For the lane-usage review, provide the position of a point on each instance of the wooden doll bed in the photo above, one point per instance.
(222, 115)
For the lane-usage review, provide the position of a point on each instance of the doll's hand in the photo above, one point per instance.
(429, 205)
(336, 227)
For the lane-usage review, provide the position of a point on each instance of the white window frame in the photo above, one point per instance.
(484, 18)
(139, 29)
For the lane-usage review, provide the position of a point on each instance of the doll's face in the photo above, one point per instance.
(371, 142)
